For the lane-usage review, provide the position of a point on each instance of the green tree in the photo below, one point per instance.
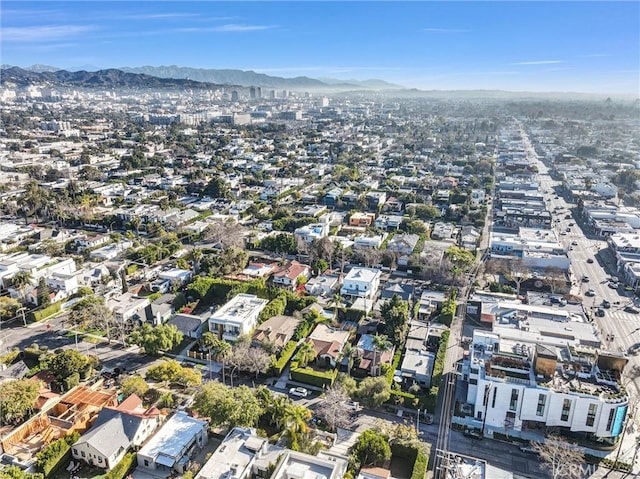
(8, 307)
(17, 399)
(306, 353)
(134, 385)
(371, 449)
(154, 339)
(381, 344)
(68, 362)
(218, 348)
(21, 281)
(372, 392)
(44, 293)
(169, 371)
(395, 313)
(226, 406)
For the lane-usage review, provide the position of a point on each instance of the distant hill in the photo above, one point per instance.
(251, 78)
(111, 78)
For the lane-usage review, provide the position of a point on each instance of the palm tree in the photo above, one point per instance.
(217, 347)
(196, 256)
(380, 344)
(348, 353)
(306, 353)
(336, 301)
(20, 281)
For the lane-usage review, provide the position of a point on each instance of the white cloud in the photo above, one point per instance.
(540, 62)
(445, 30)
(230, 27)
(43, 33)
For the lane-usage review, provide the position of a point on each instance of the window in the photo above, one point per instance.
(75, 451)
(612, 414)
(473, 381)
(146, 463)
(100, 460)
(566, 409)
(513, 403)
(591, 415)
(82, 454)
(493, 401)
(542, 400)
(475, 370)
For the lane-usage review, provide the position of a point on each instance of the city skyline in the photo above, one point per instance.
(591, 47)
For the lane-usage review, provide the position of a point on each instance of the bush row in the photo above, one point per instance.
(44, 313)
(314, 378)
(51, 456)
(285, 355)
(121, 469)
(438, 367)
(420, 465)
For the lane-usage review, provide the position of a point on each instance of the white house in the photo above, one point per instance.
(115, 431)
(173, 445)
(517, 385)
(361, 283)
(237, 317)
(312, 232)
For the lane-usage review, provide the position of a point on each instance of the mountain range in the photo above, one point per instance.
(210, 76)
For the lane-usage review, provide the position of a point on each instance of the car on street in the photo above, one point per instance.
(353, 405)
(606, 304)
(529, 450)
(613, 285)
(600, 312)
(589, 260)
(574, 243)
(299, 392)
(590, 293)
(473, 433)
(585, 279)
(631, 309)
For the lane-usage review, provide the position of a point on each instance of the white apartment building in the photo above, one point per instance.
(312, 232)
(517, 386)
(237, 317)
(361, 283)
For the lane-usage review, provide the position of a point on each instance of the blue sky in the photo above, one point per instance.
(532, 46)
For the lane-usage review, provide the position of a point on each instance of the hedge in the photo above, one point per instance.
(438, 368)
(121, 469)
(275, 307)
(285, 355)
(420, 465)
(314, 378)
(408, 399)
(389, 373)
(56, 453)
(44, 313)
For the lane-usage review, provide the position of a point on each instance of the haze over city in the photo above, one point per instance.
(516, 46)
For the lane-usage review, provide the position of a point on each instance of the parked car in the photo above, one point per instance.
(590, 293)
(613, 285)
(473, 433)
(529, 450)
(352, 405)
(585, 279)
(299, 392)
(631, 309)
(589, 260)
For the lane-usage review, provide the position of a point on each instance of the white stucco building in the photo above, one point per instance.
(237, 317)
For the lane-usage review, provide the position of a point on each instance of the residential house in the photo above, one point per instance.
(298, 465)
(403, 291)
(430, 302)
(115, 431)
(328, 343)
(362, 219)
(369, 241)
(389, 222)
(370, 359)
(276, 331)
(375, 199)
(237, 317)
(161, 309)
(188, 324)
(129, 309)
(258, 270)
(171, 449)
(242, 454)
(290, 274)
(361, 283)
(403, 244)
(323, 285)
(88, 242)
(312, 232)
(419, 356)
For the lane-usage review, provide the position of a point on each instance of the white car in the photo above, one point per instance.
(352, 405)
(299, 392)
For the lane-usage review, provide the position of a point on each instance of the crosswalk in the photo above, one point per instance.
(620, 315)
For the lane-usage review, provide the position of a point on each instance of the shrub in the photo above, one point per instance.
(284, 357)
(121, 469)
(408, 399)
(420, 465)
(55, 454)
(44, 313)
(275, 307)
(314, 378)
